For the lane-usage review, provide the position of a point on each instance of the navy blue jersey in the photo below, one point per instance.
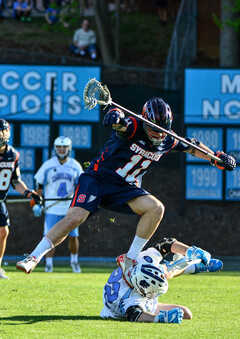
(9, 169)
(130, 154)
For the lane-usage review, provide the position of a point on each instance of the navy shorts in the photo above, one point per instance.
(105, 192)
(4, 216)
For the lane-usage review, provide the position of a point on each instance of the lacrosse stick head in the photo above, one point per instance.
(96, 93)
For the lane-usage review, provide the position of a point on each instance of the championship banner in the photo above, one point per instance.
(212, 115)
(212, 96)
(25, 92)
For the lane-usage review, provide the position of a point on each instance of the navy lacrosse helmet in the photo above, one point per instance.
(4, 132)
(159, 112)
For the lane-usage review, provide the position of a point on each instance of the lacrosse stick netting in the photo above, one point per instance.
(96, 93)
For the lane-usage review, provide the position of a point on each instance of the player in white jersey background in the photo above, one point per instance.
(57, 179)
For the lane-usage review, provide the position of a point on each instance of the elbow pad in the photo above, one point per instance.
(164, 246)
(133, 313)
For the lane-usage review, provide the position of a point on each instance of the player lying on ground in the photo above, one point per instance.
(133, 295)
(113, 179)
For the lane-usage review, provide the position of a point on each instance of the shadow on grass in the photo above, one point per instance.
(31, 319)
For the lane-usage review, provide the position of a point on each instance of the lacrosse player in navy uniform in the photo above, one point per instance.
(9, 174)
(113, 179)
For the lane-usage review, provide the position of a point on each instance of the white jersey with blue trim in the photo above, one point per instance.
(58, 180)
(118, 296)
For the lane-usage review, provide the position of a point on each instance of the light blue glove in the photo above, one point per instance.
(194, 253)
(37, 210)
(173, 316)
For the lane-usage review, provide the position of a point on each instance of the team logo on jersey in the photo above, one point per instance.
(146, 154)
(81, 198)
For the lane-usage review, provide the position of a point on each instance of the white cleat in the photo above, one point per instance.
(76, 267)
(2, 274)
(27, 265)
(124, 262)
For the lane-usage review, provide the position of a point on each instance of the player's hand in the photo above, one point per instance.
(37, 210)
(194, 253)
(114, 117)
(36, 198)
(173, 316)
(229, 163)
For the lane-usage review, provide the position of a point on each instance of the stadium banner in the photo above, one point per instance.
(25, 92)
(212, 96)
(212, 116)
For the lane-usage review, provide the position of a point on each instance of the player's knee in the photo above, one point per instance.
(4, 231)
(159, 209)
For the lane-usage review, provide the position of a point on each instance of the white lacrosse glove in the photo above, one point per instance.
(194, 253)
(37, 210)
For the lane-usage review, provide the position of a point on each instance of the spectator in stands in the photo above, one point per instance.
(162, 10)
(22, 10)
(84, 41)
(52, 14)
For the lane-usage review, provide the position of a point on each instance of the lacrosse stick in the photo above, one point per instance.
(57, 201)
(96, 93)
(182, 264)
(10, 201)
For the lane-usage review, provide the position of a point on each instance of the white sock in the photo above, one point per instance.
(49, 261)
(74, 257)
(190, 269)
(136, 247)
(0, 262)
(42, 248)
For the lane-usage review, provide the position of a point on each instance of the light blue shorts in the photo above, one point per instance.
(51, 220)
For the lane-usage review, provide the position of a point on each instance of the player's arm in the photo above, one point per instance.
(171, 245)
(228, 163)
(135, 313)
(22, 188)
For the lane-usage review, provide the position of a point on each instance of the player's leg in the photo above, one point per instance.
(4, 231)
(74, 217)
(49, 221)
(151, 211)
(73, 246)
(169, 307)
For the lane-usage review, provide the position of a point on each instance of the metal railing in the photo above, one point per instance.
(183, 46)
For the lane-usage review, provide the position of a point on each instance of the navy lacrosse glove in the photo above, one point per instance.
(36, 198)
(113, 117)
(194, 253)
(229, 163)
(173, 316)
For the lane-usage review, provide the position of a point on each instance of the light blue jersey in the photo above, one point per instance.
(118, 296)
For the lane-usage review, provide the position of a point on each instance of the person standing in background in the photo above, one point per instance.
(57, 177)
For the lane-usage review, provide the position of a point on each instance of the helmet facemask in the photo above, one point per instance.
(155, 136)
(4, 132)
(62, 147)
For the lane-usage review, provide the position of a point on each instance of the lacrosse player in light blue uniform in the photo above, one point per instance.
(58, 178)
(133, 295)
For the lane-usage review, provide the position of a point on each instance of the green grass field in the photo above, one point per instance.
(66, 305)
